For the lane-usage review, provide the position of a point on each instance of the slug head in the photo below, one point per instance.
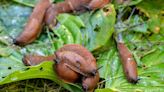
(89, 83)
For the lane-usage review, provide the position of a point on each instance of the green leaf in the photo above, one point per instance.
(63, 33)
(44, 70)
(124, 3)
(153, 9)
(149, 51)
(5, 52)
(68, 32)
(10, 64)
(12, 69)
(155, 24)
(150, 74)
(95, 34)
(142, 26)
(93, 30)
(99, 29)
(105, 90)
(30, 3)
(13, 22)
(1, 27)
(71, 25)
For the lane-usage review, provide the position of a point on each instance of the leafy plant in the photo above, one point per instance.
(94, 30)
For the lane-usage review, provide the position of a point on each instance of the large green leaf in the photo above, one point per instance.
(73, 27)
(148, 52)
(20, 72)
(70, 31)
(44, 70)
(150, 73)
(142, 26)
(153, 9)
(99, 28)
(11, 67)
(13, 17)
(95, 34)
(93, 30)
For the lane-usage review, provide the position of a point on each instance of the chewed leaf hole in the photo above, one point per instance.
(97, 28)
(105, 9)
(27, 68)
(9, 68)
(41, 69)
(144, 66)
(135, 48)
(3, 77)
(56, 36)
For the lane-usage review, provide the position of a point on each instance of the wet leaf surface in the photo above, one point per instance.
(94, 30)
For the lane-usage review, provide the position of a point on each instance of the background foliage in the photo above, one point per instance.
(143, 33)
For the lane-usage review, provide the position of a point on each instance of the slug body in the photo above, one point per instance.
(63, 7)
(73, 62)
(78, 58)
(31, 60)
(46, 12)
(76, 63)
(89, 83)
(80, 50)
(62, 69)
(129, 65)
(65, 73)
(53, 11)
(34, 25)
(71, 6)
(95, 4)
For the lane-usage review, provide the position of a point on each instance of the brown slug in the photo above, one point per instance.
(71, 6)
(31, 60)
(129, 64)
(65, 73)
(62, 69)
(79, 49)
(96, 4)
(76, 63)
(46, 12)
(73, 62)
(62, 7)
(34, 25)
(53, 11)
(83, 52)
(76, 56)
